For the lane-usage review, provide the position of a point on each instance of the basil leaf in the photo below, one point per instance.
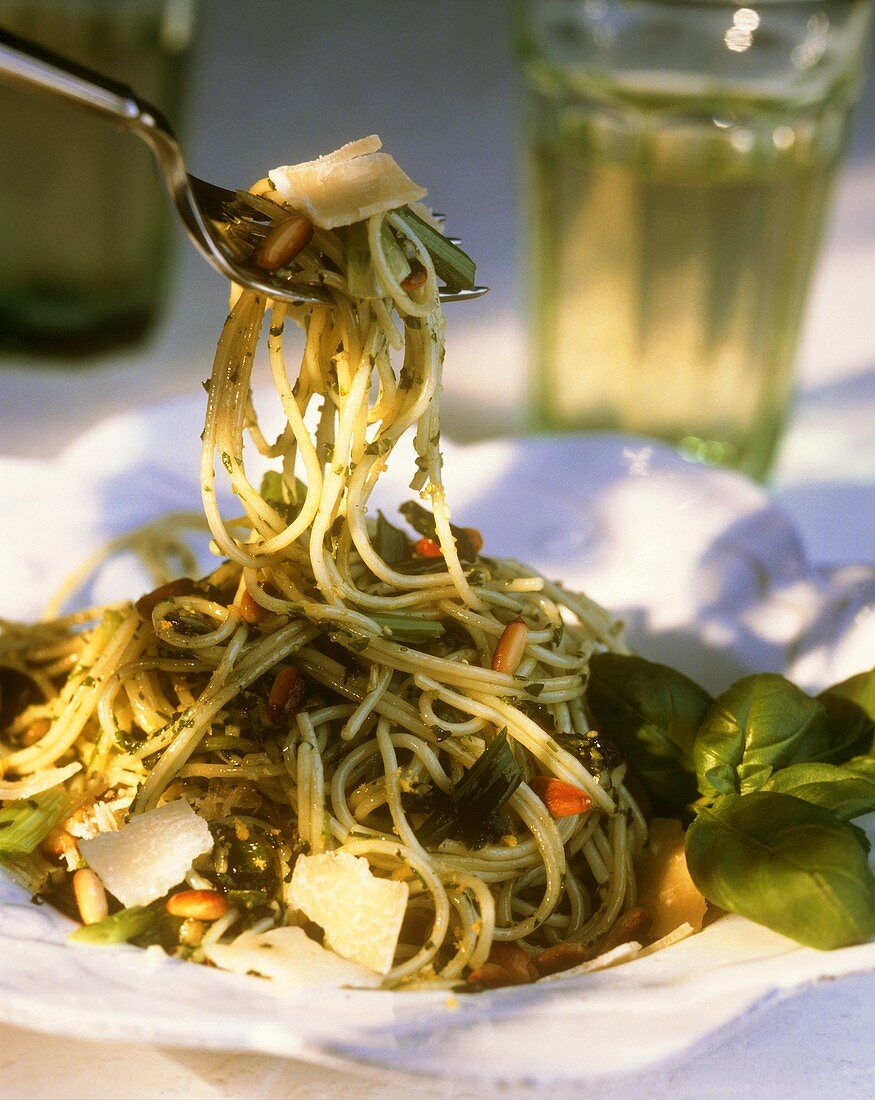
(392, 544)
(360, 275)
(787, 864)
(472, 806)
(283, 498)
(760, 724)
(840, 789)
(653, 714)
(864, 764)
(850, 709)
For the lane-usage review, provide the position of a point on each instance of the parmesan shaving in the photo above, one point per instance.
(351, 184)
(360, 914)
(149, 855)
(292, 959)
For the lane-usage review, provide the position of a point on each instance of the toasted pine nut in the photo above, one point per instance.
(286, 694)
(492, 976)
(416, 279)
(198, 904)
(632, 926)
(58, 843)
(191, 932)
(284, 242)
(145, 605)
(510, 648)
(475, 538)
(512, 957)
(559, 957)
(36, 731)
(90, 896)
(250, 611)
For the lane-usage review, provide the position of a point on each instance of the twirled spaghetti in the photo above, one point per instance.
(319, 693)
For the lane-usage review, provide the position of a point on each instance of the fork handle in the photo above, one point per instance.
(28, 65)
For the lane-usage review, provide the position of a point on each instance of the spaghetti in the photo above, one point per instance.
(333, 684)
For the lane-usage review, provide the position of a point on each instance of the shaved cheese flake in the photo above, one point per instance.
(664, 883)
(360, 914)
(358, 148)
(682, 932)
(292, 959)
(346, 186)
(148, 855)
(16, 789)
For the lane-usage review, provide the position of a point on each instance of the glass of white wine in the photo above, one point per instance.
(681, 158)
(85, 238)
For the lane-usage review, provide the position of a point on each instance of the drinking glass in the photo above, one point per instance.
(681, 159)
(84, 224)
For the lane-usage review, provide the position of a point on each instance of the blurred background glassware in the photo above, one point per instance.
(681, 158)
(84, 225)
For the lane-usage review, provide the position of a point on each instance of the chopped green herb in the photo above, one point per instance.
(392, 544)
(471, 809)
(452, 266)
(402, 628)
(27, 823)
(119, 927)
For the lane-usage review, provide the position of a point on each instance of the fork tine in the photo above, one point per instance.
(462, 295)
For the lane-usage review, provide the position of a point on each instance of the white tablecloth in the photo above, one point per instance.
(818, 1042)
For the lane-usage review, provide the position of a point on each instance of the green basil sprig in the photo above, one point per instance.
(760, 724)
(836, 787)
(782, 776)
(787, 864)
(653, 713)
(850, 710)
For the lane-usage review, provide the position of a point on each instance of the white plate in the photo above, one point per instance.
(708, 574)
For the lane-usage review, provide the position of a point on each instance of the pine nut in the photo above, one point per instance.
(475, 538)
(90, 896)
(36, 731)
(493, 976)
(634, 925)
(416, 279)
(145, 605)
(286, 694)
(559, 957)
(515, 959)
(250, 611)
(191, 932)
(561, 799)
(284, 242)
(58, 843)
(427, 548)
(197, 904)
(510, 648)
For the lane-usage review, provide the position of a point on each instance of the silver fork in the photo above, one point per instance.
(209, 213)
